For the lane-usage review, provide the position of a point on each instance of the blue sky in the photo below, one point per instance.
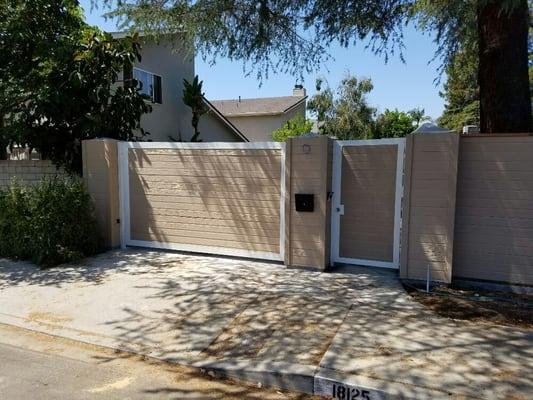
(396, 85)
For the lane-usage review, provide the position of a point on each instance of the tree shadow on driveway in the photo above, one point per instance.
(359, 322)
(93, 270)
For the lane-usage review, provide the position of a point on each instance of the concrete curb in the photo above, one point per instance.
(281, 375)
(318, 381)
(308, 379)
(326, 381)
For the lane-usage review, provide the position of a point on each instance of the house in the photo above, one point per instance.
(161, 72)
(258, 118)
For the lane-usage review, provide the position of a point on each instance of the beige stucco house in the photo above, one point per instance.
(258, 118)
(161, 72)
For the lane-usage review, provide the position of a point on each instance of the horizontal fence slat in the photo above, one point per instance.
(227, 210)
(237, 203)
(244, 237)
(230, 244)
(177, 221)
(248, 173)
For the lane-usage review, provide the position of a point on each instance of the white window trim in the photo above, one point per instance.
(151, 101)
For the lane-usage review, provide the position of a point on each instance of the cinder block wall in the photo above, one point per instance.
(428, 215)
(100, 172)
(494, 214)
(26, 171)
(308, 172)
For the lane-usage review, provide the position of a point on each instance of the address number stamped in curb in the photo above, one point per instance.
(345, 392)
(331, 389)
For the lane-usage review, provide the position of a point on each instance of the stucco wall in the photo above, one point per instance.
(212, 129)
(26, 171)
(172, 116)
(100, 173)
(259, 128)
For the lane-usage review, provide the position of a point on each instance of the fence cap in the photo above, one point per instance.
(431, 127)
(101, 139)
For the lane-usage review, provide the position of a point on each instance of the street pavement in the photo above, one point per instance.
(38, 366)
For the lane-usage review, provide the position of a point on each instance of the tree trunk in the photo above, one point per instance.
(505, 105)
(3, 141)
(3, 150)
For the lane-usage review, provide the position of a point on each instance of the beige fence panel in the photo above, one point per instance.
(494, 210)
(220, 198)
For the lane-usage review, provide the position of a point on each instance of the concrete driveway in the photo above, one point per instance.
(354, 328)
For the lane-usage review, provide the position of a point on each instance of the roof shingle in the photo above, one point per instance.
(260, 106)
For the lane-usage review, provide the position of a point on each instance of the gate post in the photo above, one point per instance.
(100, 173)
(429, 206)
(307, 239)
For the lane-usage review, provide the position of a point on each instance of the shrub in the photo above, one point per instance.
(50, 223)
(296, 126)
(14, 222)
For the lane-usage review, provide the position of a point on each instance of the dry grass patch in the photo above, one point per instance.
(498, 308)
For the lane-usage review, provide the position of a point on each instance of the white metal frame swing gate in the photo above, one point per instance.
(215, 198)
(366, 204)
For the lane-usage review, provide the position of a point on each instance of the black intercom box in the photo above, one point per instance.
(304, 202)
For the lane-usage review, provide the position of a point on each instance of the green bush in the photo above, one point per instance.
(296, 126)
(50, 223)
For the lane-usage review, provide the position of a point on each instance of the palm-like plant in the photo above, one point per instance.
(194, 98)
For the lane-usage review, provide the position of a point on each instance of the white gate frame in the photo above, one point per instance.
(337, 209)
(124, 194)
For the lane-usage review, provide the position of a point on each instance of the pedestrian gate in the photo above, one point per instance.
(366, 204)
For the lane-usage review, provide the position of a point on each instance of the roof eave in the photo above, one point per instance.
(295, 105)
(225, 120)
(252, 114)
(265, 114)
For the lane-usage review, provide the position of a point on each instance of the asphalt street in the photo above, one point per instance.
(37, 366)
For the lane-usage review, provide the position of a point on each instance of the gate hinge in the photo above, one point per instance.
(340, 209)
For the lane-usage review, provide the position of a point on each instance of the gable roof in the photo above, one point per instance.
(224, 120)
(259, 106)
